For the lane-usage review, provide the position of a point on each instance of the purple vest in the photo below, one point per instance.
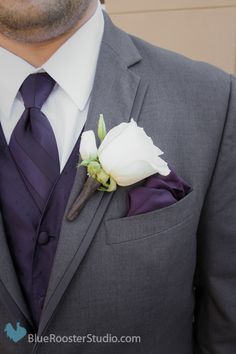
(32, 236)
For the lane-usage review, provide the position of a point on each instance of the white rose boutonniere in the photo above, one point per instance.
(126, 156)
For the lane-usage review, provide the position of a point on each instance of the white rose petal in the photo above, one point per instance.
(128, 154)
(112, 135)
(134, 172)
(88, 146)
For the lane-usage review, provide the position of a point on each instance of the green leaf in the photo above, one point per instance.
(112, 185)
(85, 163)
(102, 131)
(109, 186)
(102, 177)
(93, 169)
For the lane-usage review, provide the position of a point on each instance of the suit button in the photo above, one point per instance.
(43, 238)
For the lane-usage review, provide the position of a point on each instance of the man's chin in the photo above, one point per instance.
(42, 20)
(32, 36)
(37, 35)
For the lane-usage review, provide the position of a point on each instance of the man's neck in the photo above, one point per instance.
(38, 53)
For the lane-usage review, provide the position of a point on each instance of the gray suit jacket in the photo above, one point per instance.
(168, 276)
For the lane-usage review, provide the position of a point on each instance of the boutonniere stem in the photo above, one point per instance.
(89, 188)
(125, 156)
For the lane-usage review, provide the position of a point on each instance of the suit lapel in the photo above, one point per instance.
(118, 93)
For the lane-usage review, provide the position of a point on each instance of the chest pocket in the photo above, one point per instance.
(150, 224)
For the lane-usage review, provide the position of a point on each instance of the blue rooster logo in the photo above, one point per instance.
(15, 334)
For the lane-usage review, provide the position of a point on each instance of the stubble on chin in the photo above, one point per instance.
(43, 20)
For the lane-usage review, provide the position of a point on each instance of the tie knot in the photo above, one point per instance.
(35, 89)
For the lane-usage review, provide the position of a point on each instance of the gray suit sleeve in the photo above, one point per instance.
(215, 316)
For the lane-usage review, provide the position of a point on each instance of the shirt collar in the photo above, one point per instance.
(72, 66)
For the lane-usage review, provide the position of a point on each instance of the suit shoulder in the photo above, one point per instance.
(165, 63)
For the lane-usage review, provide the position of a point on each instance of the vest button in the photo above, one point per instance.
(43, 238)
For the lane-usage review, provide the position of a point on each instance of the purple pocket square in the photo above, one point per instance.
(157, 192)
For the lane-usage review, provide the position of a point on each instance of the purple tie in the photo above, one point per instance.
(33, 144)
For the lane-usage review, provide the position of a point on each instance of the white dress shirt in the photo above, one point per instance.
(73, 67)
